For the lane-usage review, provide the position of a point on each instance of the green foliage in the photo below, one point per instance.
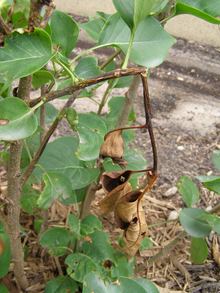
(5, 257)
(199, 250)
(60, 285)
(189, 191)
(3, 289)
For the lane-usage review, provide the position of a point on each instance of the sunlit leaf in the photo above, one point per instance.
(55, 241)
(212, 220)
(20, 121)
(24, 54)
(211, 182)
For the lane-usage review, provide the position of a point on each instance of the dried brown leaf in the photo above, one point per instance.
(113, 146)
(108, 202)
(2, 246)
(215, 250)
(115, 179)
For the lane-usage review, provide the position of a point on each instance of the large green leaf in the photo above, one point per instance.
(64, 31)
(139, 285)
(93, 27)
(189, 191)
(99, 249)
(60, 285)
(57, 187)
(55, 241)
(150, 45)
(5, 257)
(134, 11)
(77, 195)
(29, 199)
(199, 250)
(59, 156)
(17, 119)
(196, 10)
(24, 54)
(3, 289)
(216, 158)
(193, 224)
(87, 67)
(42, 77)
(79, 265)
(212, 220)
(91, 130)
(210, 7)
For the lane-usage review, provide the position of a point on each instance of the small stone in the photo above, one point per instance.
(171, 191)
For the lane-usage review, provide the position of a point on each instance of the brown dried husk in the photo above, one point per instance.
(115, 179)
(113, 146)
(2, 246)
(108, 202)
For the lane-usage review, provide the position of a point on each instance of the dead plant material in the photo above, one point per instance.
(215, 250)
(2, 246)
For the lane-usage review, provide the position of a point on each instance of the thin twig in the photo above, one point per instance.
(47, 15)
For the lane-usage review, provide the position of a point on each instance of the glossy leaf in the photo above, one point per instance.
(79, 265)
(61, 36)
(91, 130)
(150, 45)
(3, 289)
(87, 67)
(57, 187)
(192, 224)
(59, 157)
(99, 249)
(139, 285)
(60, 285)
(199, 250)
(189, 191)
(55, 241)
(216, 158)
(18, 120)
(5, 257)
(24, 54)
(186, 8)
(93, 27)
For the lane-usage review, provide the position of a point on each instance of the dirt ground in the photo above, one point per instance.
(185, 100)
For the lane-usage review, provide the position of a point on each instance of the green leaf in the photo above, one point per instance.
(192, 224)
(150, 45)
(91, 130)
(199, 250)
(79, 265)
(29, 199)
(37, 224)
(59, 157)
(41, 77)
(212, 220)
(23, 55)
(5, 257)
(134, 11)
(94, 283)
(57, 186)
(124, 268)
(207, 6)
(146, 244)
(189, 191)
(3, 289)
(182, 8)
(115, 105)
(139, 285)
(89, 224)
(99, 249)
(216, 158)
(93, 27)
(61, 36)
(51, 113)
(87, 67)
(77, 195)
(55, 241)
(60, 285)
(19, 120)
(74, 226)
(211, 182)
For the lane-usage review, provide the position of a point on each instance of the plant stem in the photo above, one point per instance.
(105, 96)
(128, 53)
(116, 53)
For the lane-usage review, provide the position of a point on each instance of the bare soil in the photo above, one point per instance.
(184, 93)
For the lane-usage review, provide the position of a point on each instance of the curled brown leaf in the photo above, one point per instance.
(113, 146)
(2, 246)
(115, 179)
